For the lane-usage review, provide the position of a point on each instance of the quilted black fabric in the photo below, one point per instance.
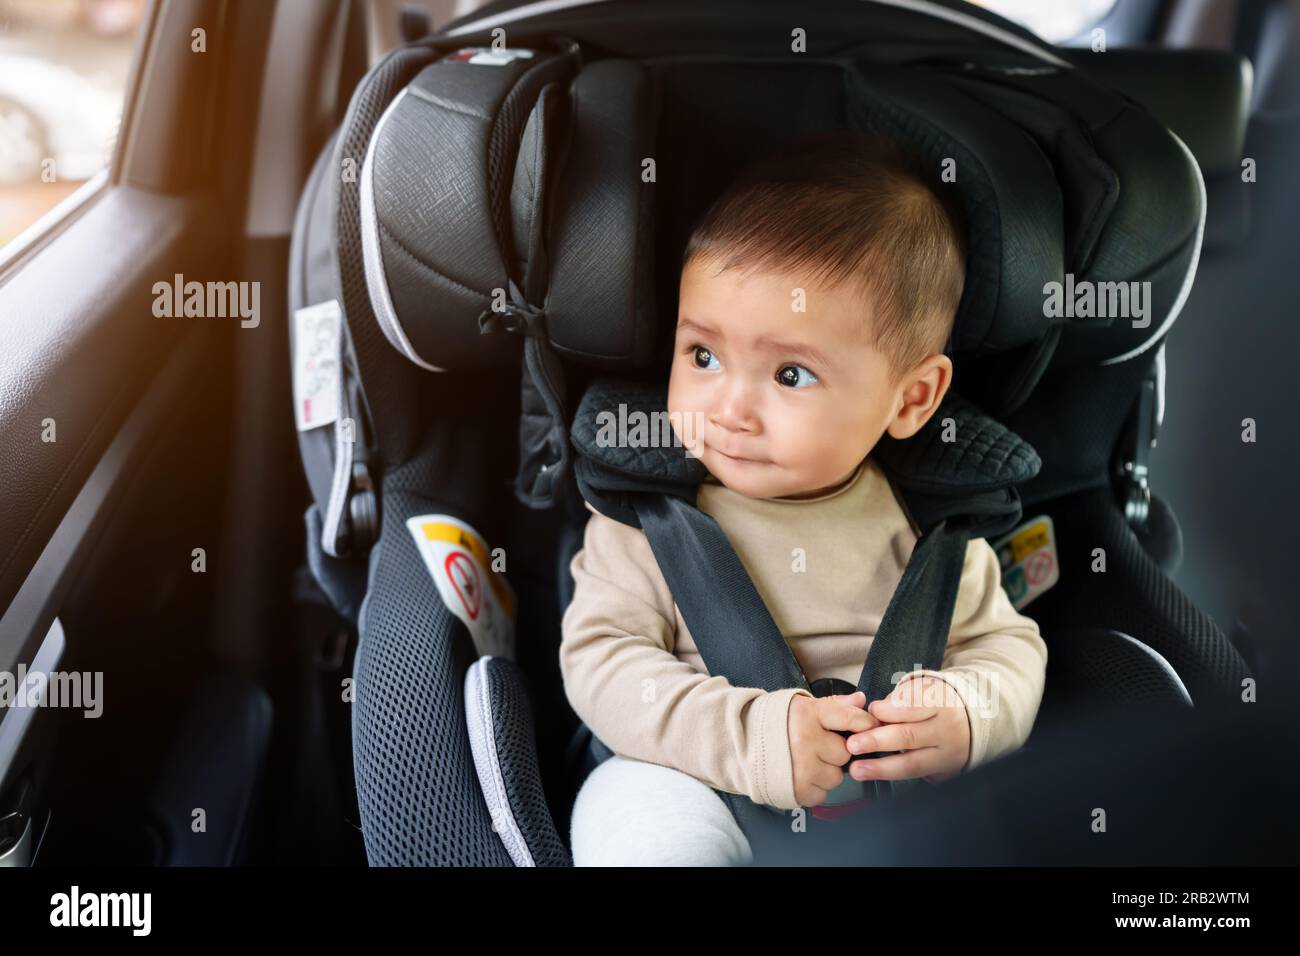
(622, 399)
(983, 454)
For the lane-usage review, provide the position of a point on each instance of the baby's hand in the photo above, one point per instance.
(923, 717)
(817, 751)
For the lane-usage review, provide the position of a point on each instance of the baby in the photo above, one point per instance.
(817, 297)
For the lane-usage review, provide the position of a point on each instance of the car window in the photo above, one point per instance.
(63, 74)
(1056, 21)
(385, 15)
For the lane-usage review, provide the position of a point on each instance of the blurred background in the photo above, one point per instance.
(64, 66)
(63, 71)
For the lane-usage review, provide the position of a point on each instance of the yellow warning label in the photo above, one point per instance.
(442, 531)
(1030, 540)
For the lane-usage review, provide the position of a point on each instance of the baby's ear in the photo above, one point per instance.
(922, 393)
(905, 426)
(927, 385)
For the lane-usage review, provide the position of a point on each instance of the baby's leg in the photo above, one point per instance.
(632, 813)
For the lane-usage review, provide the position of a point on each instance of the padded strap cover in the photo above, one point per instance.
(961, 464)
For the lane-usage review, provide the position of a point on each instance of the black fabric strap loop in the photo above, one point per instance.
(545, 455)
(517, 316)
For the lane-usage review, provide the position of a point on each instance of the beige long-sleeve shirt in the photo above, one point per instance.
(826, 568)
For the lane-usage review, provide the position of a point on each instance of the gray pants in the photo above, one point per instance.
(632, 813)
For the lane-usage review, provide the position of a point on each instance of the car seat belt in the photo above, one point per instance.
(732, 627)
(734, 630)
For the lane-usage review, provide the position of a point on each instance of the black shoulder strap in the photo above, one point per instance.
(958, 477)
(717, 596)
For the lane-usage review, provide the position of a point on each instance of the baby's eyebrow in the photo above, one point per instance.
(687, 324)
(799, 349)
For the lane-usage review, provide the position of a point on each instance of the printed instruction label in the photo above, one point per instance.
(461, 567)
(486, 56)
(316, 368)
(1028, 558)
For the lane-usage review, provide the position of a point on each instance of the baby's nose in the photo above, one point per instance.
(733, 420)
(734, 412)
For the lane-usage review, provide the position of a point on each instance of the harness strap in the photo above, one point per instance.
(731, 625)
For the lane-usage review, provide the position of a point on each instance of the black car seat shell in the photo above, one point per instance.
(507, 196)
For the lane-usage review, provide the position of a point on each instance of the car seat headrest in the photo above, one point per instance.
(520, 188)
(458, 218)
(453, 188)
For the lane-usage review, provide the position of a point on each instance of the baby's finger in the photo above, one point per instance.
(830, 749)
(904, 766)
(837, 715)
(908, 735)
(828, 776)
(903, 704)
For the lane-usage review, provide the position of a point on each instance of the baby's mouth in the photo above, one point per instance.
(737, 459)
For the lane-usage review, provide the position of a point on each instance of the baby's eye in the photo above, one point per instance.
(789, 375)
(709, 357)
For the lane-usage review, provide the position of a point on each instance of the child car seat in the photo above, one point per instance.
(495, 229)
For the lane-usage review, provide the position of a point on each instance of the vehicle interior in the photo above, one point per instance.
(284, 679)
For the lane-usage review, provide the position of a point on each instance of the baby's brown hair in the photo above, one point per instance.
(850, 206)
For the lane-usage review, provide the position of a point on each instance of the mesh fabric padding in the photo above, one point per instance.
(1090, 671)
(516, 749)
(1132, 596)
(417, 790)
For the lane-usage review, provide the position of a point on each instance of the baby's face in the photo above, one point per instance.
(786, 403)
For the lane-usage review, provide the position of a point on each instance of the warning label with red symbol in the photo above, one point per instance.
(1028, 558)
(462, 568)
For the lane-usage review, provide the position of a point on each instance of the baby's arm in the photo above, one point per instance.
(622, 678)
(996, 660)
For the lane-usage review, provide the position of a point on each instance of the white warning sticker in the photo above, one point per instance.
(461, 567)
(487, 56)
(1028, 558)
(316, 369)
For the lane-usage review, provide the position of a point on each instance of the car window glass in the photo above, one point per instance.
(1057, 20)
(63, 74)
